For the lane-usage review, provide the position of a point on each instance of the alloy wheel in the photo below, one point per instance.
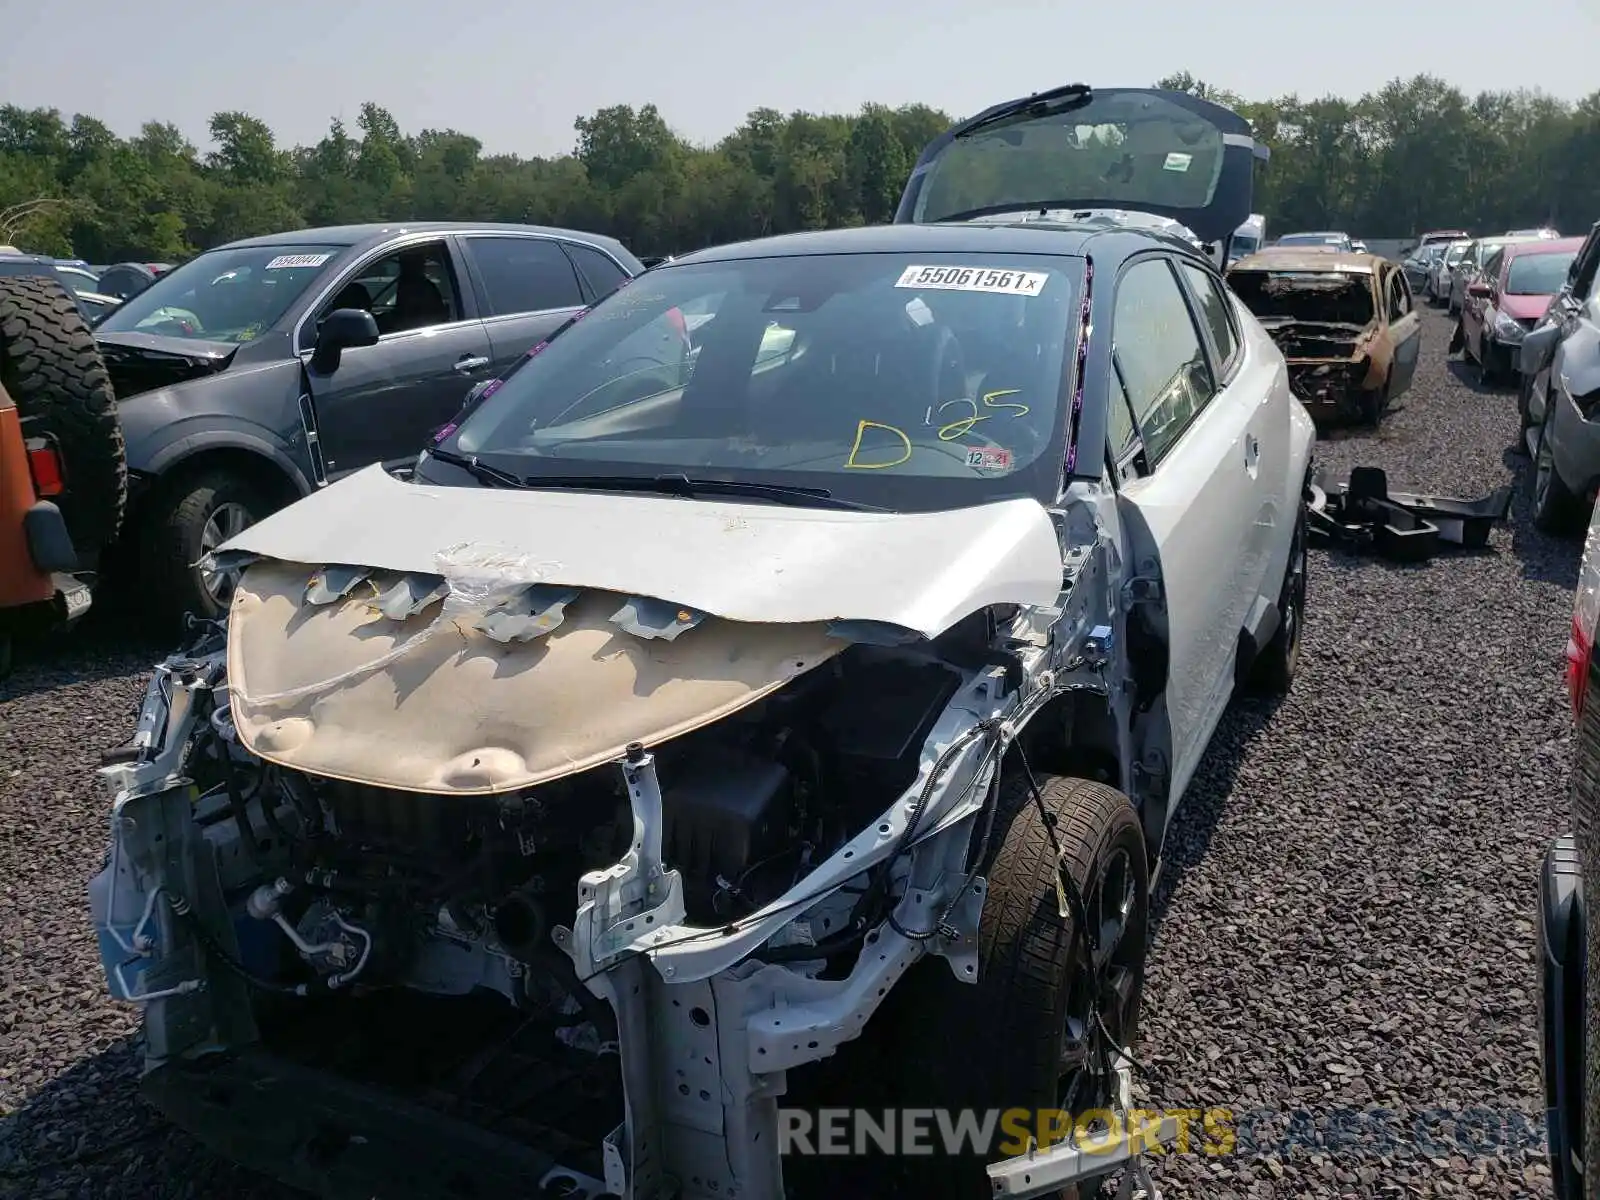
(1103, 1004)
(226, 521)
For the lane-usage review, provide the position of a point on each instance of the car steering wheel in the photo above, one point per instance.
(949, 359)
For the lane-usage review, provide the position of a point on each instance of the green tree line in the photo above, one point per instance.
(1416, 154)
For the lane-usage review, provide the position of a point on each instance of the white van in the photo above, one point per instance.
(1248, 238)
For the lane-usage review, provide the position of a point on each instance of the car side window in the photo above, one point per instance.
(1399, 301)
(1491, 269)
(411, 288)
(1157, 346)
(599, 270)
(1121, 429)
(1218, 315)
(524, 274)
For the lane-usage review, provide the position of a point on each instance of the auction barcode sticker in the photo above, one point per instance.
(974, 279)
(284, 261)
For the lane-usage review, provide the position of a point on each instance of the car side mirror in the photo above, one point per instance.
(342, 329)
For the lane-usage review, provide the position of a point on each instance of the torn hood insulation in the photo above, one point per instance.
(463, 640)
(319, 687)
(743, 562)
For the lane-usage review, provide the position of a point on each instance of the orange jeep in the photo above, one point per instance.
(63, 478)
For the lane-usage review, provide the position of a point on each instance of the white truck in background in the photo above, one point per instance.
(1248, 238)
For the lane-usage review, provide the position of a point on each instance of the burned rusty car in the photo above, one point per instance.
(1346, 324)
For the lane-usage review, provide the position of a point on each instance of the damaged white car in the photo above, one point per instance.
(773, 695)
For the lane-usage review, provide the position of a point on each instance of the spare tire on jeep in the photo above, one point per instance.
(51, 367)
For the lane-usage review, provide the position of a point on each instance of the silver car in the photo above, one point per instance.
(1436, 285)
(1419, 264)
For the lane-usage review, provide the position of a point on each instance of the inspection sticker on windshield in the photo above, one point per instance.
(974, 279)
(284, 261)
(989, 458)
(1177, 162)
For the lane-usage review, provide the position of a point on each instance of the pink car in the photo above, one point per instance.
(1508, 298)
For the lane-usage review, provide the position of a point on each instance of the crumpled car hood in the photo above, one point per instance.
(462, 713)
(744, 562)
(323, 680)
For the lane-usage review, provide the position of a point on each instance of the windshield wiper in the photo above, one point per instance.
(1051, 103)
(676, 484)
(481, 471)
(683, 485)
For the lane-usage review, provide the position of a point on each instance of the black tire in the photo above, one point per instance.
(51, 367)
(5, 656)
(174, 542)
(1555, 508)
(1524, 416)
(1490, 371)
(1371, 405)
(1014, 1020)
(1272, 674)
(1586, 830)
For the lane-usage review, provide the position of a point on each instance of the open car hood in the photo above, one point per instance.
(1146, 150)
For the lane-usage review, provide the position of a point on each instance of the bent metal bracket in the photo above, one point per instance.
(1364, 516)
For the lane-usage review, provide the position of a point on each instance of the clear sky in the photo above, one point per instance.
(515, 75)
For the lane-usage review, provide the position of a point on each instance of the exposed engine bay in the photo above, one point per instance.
(1316, 297)
(486, 951)
(448, 894)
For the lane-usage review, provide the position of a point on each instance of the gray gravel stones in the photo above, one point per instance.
(1345, 953)
(1348, 945)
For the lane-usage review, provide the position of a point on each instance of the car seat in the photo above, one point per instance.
(353, 295)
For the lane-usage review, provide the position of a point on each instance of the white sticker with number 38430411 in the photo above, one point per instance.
(974, 279)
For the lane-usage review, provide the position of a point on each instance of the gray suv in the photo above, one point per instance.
(259, 371)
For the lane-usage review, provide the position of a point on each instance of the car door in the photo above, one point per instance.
(1474, 316)
(1563, 319)
(1405, 332)
(527, 288)
(1573, 351)
(1463, 274)
(1267, 423)
(1199, 495)
(382, 401)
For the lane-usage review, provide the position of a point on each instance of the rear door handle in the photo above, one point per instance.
(1252, 452)
(470, 363)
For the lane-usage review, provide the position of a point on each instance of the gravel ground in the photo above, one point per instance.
(1345, 953)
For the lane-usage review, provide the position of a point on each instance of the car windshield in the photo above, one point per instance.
(223, 295)
(78, 279)
(1244, 243)
(923, 381)
(1336, 297)
(1538, 274)
(1310, 239)
(1453, 255)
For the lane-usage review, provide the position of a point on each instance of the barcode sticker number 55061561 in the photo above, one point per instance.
(973, 279)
